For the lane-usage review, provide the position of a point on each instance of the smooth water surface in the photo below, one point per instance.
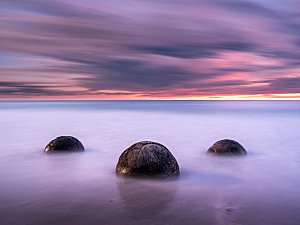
(81, 188)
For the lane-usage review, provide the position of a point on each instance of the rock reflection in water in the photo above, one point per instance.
(145, 199)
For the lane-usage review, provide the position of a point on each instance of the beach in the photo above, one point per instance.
(81, 188)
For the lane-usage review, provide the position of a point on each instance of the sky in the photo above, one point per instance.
(149, 49)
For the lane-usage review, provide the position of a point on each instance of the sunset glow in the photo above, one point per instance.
(106, 50)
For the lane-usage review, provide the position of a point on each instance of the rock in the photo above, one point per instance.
(64, 144)
(148, 159)
(228, 209)
(226, 147)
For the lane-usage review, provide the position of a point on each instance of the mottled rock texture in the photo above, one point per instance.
(149, 159)
(64, 144)
(226, 147)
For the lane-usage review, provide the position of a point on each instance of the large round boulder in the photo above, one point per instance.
(226, 147)
(149, 159)
(64, 144)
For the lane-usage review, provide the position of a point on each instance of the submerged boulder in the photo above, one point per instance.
(149, 159)
(226, 147)
(64, 144)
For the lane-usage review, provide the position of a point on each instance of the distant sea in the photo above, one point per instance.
(261, 188)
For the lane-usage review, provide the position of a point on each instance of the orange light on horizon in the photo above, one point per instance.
(134, 96)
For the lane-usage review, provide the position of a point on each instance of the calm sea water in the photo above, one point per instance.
(261, 188)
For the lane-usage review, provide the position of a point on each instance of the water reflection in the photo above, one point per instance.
(209, 177)
(145, 199)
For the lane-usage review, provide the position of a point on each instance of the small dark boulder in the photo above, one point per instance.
(148, 159)
(226, 147)
(64, 144)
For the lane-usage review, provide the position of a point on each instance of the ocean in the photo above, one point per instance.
(260, 188)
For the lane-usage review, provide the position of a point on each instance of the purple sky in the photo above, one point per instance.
(156, 49)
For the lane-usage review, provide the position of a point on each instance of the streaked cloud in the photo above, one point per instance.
(149, 49)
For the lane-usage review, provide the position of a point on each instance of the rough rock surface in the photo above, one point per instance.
(226, 147)
(148, 159)
(64, 144)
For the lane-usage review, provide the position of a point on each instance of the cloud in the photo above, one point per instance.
(291, 85)
(51, 8)
(250, 8)
(137, 75)
(155, 48)
(21, 88)
(200, 50)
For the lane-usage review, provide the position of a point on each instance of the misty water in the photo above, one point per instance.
(260, 188)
